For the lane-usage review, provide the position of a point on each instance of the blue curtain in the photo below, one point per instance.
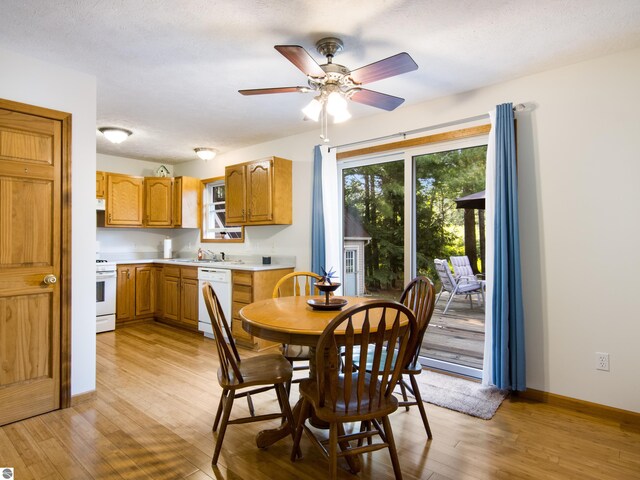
(317, 215)
(508, 314)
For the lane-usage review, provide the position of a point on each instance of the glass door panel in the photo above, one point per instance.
(455, 340)
(373, 202)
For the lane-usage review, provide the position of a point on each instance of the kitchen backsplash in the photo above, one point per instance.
(118, 244)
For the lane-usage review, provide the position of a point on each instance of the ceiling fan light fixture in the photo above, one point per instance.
(115, 134)
(336, 104)
(342, 116)
(313, 109)
(205, 154)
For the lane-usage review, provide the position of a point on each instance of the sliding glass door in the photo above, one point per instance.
(399, 215)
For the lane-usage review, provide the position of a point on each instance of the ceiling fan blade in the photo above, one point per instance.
(377, 99)
(388, 67)
(263, 91)
(301, 59)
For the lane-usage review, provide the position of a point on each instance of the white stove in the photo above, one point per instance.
(105, 296)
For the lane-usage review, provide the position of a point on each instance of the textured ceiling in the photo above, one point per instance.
(169, 70)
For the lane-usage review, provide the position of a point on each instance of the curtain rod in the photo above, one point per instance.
(517, 108)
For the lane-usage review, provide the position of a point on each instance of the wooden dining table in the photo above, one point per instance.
(292, 321)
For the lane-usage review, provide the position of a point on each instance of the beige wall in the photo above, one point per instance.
(578, 147)
(31, 81)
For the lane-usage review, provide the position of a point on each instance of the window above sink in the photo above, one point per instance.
(213, 228)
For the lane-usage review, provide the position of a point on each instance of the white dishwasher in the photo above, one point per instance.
(220, 280)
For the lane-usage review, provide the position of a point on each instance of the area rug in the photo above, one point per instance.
(461, 395)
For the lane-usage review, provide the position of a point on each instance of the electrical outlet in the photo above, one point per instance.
(602, 361)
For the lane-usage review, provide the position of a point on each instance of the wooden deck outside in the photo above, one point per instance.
(458, 336)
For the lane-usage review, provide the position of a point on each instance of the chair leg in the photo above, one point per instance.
(438, 297)
(333, 451)
(219, 412)
(299, 426)
(403, 389)
(365, 426)
(252, 410)
(228, 404)
(453, 294)
(285, 408)
(420, 403)
(448, 303)
(393, 453)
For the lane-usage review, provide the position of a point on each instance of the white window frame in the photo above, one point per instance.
(213, 228)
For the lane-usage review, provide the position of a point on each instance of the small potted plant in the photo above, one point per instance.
(327, 276)
(326, 285)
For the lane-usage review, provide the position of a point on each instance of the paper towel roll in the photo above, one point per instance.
(167, 248)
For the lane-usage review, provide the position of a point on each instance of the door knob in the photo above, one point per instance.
(50, 279)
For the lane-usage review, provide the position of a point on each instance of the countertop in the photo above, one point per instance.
(230, 265)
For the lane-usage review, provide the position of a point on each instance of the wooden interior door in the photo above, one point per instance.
(31, 225)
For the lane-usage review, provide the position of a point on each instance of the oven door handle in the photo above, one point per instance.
(103, 275)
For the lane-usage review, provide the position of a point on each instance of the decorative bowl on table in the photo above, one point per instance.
(328, 302)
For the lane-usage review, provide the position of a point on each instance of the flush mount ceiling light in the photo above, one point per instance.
(205, 153)
(336, 84)
(115, 134)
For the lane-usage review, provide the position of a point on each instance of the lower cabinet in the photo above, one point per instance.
(179, 295)
(136, 292)
(170, 294)
(251, 287)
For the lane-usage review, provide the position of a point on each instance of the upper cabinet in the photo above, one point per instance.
(124, 200)
(186, 202)
(259, 192)
(158, 203)
(101, 179)
(154, 202)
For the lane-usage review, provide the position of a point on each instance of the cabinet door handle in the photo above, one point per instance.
(128, 274)
(109, 218)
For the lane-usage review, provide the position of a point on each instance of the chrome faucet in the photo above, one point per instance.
(210, 253)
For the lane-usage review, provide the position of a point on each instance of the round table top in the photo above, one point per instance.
(291, 320)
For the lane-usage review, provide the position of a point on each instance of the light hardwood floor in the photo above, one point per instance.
(156, 398)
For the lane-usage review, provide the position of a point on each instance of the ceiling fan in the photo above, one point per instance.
(335, 84)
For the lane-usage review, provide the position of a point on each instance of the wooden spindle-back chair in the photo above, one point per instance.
(296, 284)
(347, 389)
(257, 374)
(419, 297)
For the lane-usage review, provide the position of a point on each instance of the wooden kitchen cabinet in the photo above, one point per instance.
(156, 289)
(171, 294)
(259, 192)
(187, 201)
(251, 287)
(149, 202)
(125, 294)
(101, 180)
(124, 206)
(158, 202)
(189, 301)
(135, 293)
(180, 296)
(145, 291)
